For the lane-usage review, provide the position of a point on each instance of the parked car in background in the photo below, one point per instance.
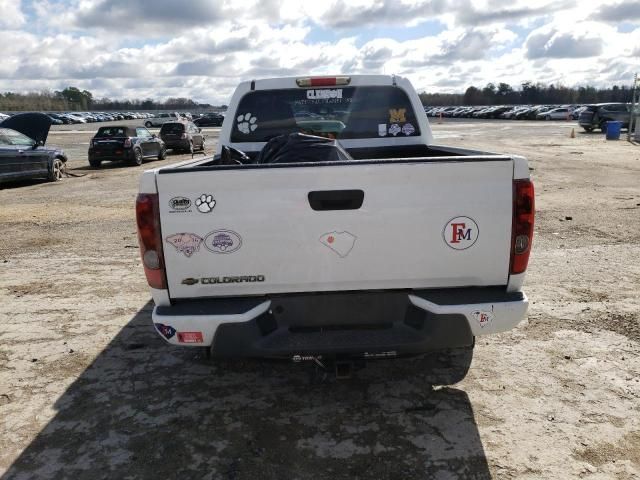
(161, 119)
(23, 153)
(3, 116)
(182, 136)
(123, 143)
(597, 116)
(209, 120)
(555, 114)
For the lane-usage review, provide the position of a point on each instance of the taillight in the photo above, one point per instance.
(150, 239)
(522, 229)
(127, 143)
(323, 81)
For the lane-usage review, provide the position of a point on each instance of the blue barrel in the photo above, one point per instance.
(613, 130)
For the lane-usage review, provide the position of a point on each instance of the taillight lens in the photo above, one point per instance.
(522, 229)
(150, 239)
(127, 143)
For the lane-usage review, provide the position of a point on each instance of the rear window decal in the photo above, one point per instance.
(408, 129)
(394, 129)
(382, 129)
(397, 115)
(247, 123)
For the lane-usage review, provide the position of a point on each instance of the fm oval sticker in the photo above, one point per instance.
(460, 233)
(223, 241)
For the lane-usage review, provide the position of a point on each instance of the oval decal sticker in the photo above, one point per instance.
(223, 241)
(179, 203)
(460, 233)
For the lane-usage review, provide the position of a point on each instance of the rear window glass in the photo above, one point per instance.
(111, 132)
(172, 128)
(343, 113)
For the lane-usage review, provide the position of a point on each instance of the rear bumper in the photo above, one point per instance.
(127, 154)
(182, 144)
(342, 323)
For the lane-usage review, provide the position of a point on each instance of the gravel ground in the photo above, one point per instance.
(88, 390)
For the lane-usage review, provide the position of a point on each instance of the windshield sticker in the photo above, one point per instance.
(483, 318)
(179, 204)
(205, 203)
(382, 129)
(165, 330)
(460, 233)
(187, 243)
(394, 129)
(397, 115)
(324, 94)
(340, 242)
(247, 123)
(223, 241)
(190, 337)
(408, 129)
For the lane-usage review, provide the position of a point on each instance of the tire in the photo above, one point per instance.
(588, 129)
(148, 124)
(94, 163)
(57, 170)
(137, 157)
(163, 153)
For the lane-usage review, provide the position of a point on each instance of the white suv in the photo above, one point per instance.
(162, 118)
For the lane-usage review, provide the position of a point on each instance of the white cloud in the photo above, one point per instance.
(11, 15)
(202, 49)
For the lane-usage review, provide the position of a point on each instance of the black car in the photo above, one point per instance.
(131, 144)
(209, 120)
(182, 136)
(22, 151)
(597, 116)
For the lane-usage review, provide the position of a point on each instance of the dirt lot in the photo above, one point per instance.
(88, 390)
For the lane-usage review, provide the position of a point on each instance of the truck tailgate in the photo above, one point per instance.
(420, 224)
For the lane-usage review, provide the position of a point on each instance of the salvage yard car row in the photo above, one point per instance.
(590, 117)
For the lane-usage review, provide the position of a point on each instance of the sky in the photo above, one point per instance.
(201, 49)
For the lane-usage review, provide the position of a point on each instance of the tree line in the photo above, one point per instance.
(74, 99)
(529, 93)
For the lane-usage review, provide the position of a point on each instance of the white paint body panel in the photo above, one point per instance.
(399, 228)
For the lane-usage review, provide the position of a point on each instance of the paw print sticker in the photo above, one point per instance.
(205, 203)
(247, 123)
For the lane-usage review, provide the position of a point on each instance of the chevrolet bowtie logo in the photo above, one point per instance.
(190, 281)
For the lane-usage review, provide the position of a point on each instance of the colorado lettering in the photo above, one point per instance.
(239, 279)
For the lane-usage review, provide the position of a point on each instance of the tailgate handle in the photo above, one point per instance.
(336, 199)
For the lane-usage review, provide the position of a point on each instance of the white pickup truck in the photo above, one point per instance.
(382, 244)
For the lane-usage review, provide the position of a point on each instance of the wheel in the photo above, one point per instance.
(163, 153)
(57, 170)
(148, 124)
(190, 149)
(588, 129)
(137, 156)
(94, 163)
(202, 146)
